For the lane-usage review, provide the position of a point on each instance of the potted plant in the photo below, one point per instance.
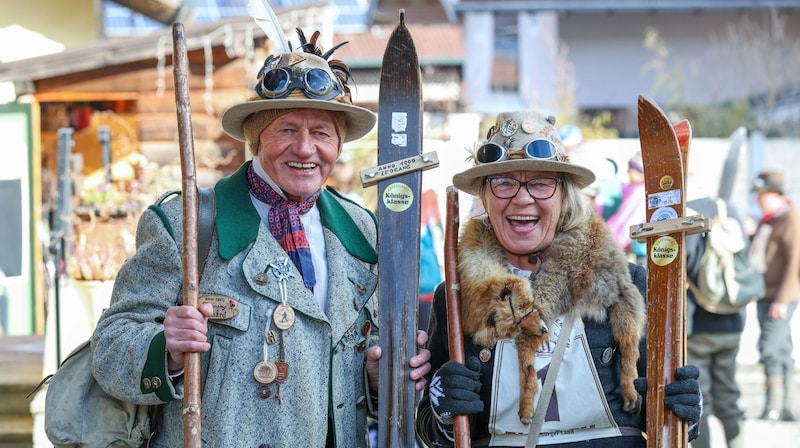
(103, 237)
(104, 232)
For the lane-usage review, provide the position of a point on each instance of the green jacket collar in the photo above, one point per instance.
(237, 220)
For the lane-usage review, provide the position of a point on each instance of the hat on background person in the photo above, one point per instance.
(571, 136)
(769, 181)
(299, 80)
(636, 163)
(512, 132)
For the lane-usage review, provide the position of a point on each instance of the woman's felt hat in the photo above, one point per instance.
(513, 130)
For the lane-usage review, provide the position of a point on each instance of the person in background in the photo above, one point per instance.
(631, 211)
(606, 191)
(609, 191)
(3, 303)
(571, 137)
(776, 249)
(430, 272)
(288, 356)
(531, 196)
(713, 345)
(343, 179)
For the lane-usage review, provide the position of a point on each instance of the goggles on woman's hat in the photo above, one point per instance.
(522, 140)
(540, 148)
(301, 80)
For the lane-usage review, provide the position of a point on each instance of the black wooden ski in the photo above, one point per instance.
(399, 181)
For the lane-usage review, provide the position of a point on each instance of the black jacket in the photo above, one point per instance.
(599, 337)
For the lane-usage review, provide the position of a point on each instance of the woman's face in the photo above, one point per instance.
(523, 225)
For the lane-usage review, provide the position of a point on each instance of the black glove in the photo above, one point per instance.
(454, 390)
(684, 398)
(640, 384)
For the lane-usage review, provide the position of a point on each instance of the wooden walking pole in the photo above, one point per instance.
(455, 334)
(191, 397)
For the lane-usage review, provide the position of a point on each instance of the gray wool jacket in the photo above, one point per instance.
(325, 349)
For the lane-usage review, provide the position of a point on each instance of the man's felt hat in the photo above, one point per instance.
(358, 120)
(769, 181)
(513, 131)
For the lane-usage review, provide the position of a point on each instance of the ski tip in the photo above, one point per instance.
(683, 130)
(646, 100)
(177, 30)
(648, 107)
(400, 44)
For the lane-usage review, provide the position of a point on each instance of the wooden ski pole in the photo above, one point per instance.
(455, 333)
(191, 397)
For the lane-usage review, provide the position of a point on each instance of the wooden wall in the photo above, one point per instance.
(138, 104)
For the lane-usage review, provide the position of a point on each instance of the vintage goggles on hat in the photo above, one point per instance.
(279, 82)
(540, 148)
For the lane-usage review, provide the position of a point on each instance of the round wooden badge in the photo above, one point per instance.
(283, 316)
(265, 372)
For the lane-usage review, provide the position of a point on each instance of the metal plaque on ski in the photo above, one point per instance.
(665, 184)
(399, 140)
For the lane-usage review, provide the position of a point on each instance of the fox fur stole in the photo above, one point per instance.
(582, 271)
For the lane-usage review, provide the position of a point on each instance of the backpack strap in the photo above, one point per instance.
(722, 210)
(205, 225)
(205, 220)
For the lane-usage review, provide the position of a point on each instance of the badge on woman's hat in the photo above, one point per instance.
(302, 79)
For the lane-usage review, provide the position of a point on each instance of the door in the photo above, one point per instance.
(19, 254)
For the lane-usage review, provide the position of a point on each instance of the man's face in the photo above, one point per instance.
(298, 150)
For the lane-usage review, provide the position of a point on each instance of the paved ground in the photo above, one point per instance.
(750, 377)
(21, 360)
(20, 371)
(758, 433)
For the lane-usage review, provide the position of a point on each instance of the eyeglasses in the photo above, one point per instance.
(279, 82)
(539, 148)
(507, 187)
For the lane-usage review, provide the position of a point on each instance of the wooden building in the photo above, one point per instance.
(126, 87)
